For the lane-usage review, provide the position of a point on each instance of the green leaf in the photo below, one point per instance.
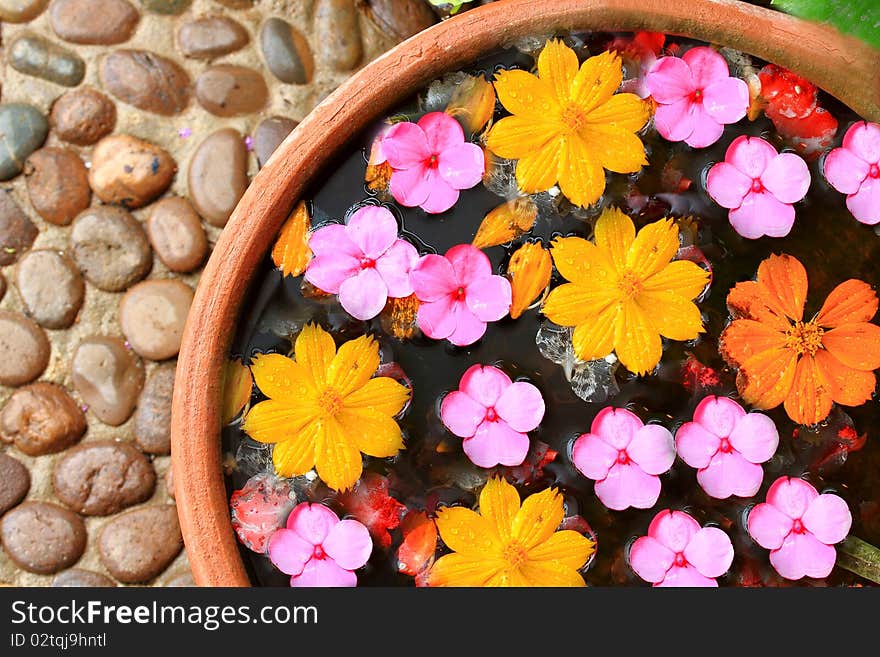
(860, 558)
(859, 18)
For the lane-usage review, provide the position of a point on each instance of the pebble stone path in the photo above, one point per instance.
(128, 131)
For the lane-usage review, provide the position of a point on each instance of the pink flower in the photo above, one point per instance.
(459, 294)
(431, 162)
(677, 552)
(624, 457)
(758, 185)
(854, 169)
(493, 415)
(319, 549)
(727, 444)
(799, 527)
(364, 262)
(696, 97)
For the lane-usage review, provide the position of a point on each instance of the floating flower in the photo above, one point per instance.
(805, 364)
(678, 552)
(696, 97)
(506, 222)
(431, 162)
(727, 445)
(325, 407)
(459, 294)
(291, 253)
(625, 292)
(493, 415)
(758, 186)
(568, 124)
(854, 169)
(472, 103)
(506, 544)
(624, 457)
(529, 270)
(799, 527)
(318, 549)
(364, 261)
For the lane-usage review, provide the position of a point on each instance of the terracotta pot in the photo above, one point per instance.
(841, 65)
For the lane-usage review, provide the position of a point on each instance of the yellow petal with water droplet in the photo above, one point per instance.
(506, 222)
(472, 103)
(337, 459)
(547, 573)
(237, 384)
(466, 531)
(636, 340)
(538, 518)
(463, 570)
(566, 548)
(274, 421)
(382, 394)
(529, 271)
(315, 350)
(499, 503)
(354, 365)
(296, 455)
(375, 433)
(291, 252)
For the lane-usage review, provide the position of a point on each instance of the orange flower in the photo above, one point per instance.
(806, 365)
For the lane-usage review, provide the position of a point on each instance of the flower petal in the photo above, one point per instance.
(829, 518)
(710, 552)
(616, 426)
(441, 131)
(394, 266)
(489, 298)
(674, 529)
(706, 129)
(766, 378)
(626, 112)
(636, 341)
(650, 559)
(755, 301)
(484, 384)
(315, 350)
(594, 338)
(768, 526)
(802, 555)
(312, 522)
(461, 414)
(441, 195)
(329, 272)
(373, 432)
(296, 455)
(672, 315)
(411, 187)
(787, 177)
(750, 155)
(348, 544)
(706, 65)
(521, 406)
(499, 503)
(463, 570)
(683, 277)
(466, 531)
(863, 139)
(616, 149)
(405, 146)
(496, 443)
(653, 249)
(333, 239)
(727, 185)
(580, 174)
(761, 214)
(289, 552)
(792, 496)
(433, 278)
(582, 262)
(280, 378)
(382, 394)
(614, 234)
(354, 365)
(719, 415)
(437, 319)
(675, 121)
(518, 92)
(469, 263)
(670, 80)
(549, 573)
(726, 100)
(462, 166)
(851, 301)
(373, 229)
(573, 304)
(653, 449)
(514, 136)
(627, 485)
(687, 577)
(338, 461)
(728, 473)
(538, 518)
(558, 66)
(566, 548)
(743, 338)
(786, 279)
(468, 327)
(847, 386)
(538, 170)
(864, 204)
(364, 295)
(592, 456)
(809, 400)
(695, 444)
(845, 171)
(324, 573)
(272, 420)
(755, 437)
(597, 80)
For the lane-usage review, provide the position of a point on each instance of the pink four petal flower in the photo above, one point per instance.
(678, 552)
(459, 294)
(854, 169)
(800, 527)
(364, 261)
(624, 457)
(758, 186)
(727, 445)
(493, 415)
(696, 97)
(318, 549)
(431, 162)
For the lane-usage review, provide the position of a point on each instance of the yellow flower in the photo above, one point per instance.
(626, 291)
(324, 408)
(508, 545)
(568, 125)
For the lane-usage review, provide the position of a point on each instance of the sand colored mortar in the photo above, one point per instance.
(98, 315)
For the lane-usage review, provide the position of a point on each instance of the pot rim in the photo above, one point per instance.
(839, 64)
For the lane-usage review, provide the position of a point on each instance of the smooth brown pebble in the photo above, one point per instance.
(80, 577)
(51, 287)
(108, 377)
(21, 11)
(129, 171)
(24, 349)
(145, 80)
(286, 52)
(338, 34)
(210, 36)
(110, 247)
(152, 419)
(269, 135)
(100, 478)
(43, 538)
(152, 315)
(176, 234)
(399, 19)
(137, 545)
(16, 482)
(42, 419)
(217, 175)
(17, 232)
(102, 22)
(231, 90)
(57, 184)
(83, 116)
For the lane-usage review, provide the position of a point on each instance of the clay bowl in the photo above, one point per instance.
(840, 65)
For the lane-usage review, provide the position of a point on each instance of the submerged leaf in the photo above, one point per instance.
(378, 176)
(291, 252)
(237, 386)
(506, 222)
(529, 272)
(473, 103)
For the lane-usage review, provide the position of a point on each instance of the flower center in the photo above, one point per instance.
(573, 118)
(623, 457)
(330, 402)
(514, 554)
(318, 553)
(432, 162)
(725, 446)
(797, 527)
(804, 338)
(630, 285)
(458, 295)
(491, 415)
(874, 171)
(680, 560)
(367, 263)
(757, 185)
(697, 96)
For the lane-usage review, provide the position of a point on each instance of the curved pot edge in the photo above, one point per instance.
(835, 62)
